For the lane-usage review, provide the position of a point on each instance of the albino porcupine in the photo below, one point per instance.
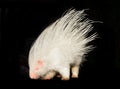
(60, 45)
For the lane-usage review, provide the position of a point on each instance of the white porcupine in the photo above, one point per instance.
(60, 45)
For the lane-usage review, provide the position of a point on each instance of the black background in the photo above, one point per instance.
(22, 24)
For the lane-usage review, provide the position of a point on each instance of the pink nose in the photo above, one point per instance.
(33, 76)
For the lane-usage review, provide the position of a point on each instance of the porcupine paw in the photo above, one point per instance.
(75, 71)
(74, 76)
(49, 76)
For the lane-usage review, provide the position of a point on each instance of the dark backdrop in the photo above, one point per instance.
(21, 26)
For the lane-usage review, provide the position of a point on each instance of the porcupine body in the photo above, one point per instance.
(63, 43)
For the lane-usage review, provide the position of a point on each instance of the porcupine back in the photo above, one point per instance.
(69, 34)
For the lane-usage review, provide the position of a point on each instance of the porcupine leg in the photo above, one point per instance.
(75, 71)
(49, 75)
(65, 73)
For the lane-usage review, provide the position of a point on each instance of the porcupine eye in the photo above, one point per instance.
(39, 65)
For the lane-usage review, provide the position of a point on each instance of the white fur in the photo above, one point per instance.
(63, 43)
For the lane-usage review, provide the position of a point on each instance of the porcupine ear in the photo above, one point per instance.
(40, 62)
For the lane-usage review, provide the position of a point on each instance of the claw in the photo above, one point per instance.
(74, 76)
(65, 79)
